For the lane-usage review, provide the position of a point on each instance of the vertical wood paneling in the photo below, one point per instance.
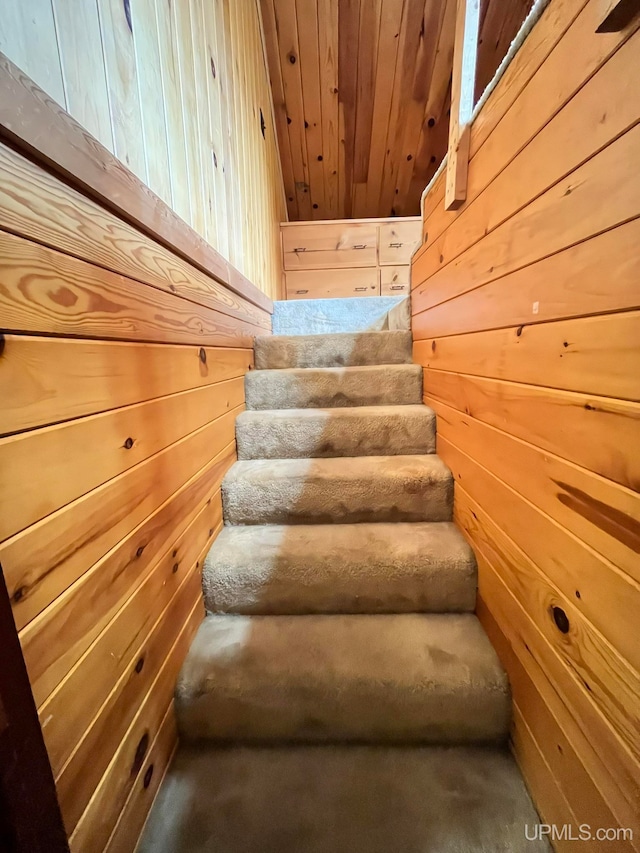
(176, 90)
(149, 69)
(116, 30)
(83, 69)
(28, 38)
(172, 96)
(524, 317)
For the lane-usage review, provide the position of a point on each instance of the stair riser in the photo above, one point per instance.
(366, 715)
(325, 436)
(333, 350)
(403, 679)
(334, 501)
(285, 592)
(328, 389)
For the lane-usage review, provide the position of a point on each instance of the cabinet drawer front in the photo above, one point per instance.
(327, 284)
(324, 246)
(398, 241)
(395, 280)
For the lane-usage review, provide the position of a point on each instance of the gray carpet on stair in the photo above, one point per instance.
(325, 387)
(419, 678)
(338, 491)
(339, 350)
(342, 568)
(336, 799)
(353, 314)
(315, 433)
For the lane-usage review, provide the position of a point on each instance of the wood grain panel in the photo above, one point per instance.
(146, 785)
(595, 355)
(608, 765)
(603, 514)
(603, 674)
(47, 380)
(525, 317)
(572, 137)
(592, 429)
(99, 819)
(594, 198)
(551, 731)
(125, 436)
(46, 292)
(73, 153)
(57, 637)
(574, 282)
(518, 152)
(82, 772)
(140, 630)
(36, 205)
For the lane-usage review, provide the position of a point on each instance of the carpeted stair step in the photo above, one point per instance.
(340, 568)
(343, 798)
(357, 431)
(327, 387)
(394, 678)
(344, 349)
(345, 490)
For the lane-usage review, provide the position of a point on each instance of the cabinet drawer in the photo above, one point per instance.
(327, 284)
(330, 245)
(398, 241)
(394, 281)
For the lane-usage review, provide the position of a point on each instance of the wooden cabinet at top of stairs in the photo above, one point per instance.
(341, 258)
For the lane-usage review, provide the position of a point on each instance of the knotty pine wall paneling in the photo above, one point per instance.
(179, 92)
(121, 375)
(526, 319)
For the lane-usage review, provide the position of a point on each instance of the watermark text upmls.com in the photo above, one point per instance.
(583, 832)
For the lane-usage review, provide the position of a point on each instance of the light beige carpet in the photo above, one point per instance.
(342, 799)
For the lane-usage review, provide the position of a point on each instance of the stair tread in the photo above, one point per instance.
(254, 799)
(338, 490)
(424, 677)
(335, 432)
(335, 469)
(337, 348)
(327, 387)
(343, 412)
(348, 568)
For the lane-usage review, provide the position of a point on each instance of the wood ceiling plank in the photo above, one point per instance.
(388, 43)
(348, 49)
(328, 57)
(289, 53)
(309, 59)
(366, 87)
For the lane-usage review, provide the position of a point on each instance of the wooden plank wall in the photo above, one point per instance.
(525, 317)
(121, 374)
(179, 92)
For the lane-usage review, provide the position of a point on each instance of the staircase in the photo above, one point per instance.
(340, 602)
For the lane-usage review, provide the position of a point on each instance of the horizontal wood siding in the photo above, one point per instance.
(121, 375)
(526, 319)
(179, 93)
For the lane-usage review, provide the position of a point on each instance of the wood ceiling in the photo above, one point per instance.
(361, 90)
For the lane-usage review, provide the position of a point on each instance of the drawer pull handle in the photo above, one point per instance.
(302, 291)
(395, 245)
(360, 246)
(398, 286)
(300, 249)
(361, 288)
